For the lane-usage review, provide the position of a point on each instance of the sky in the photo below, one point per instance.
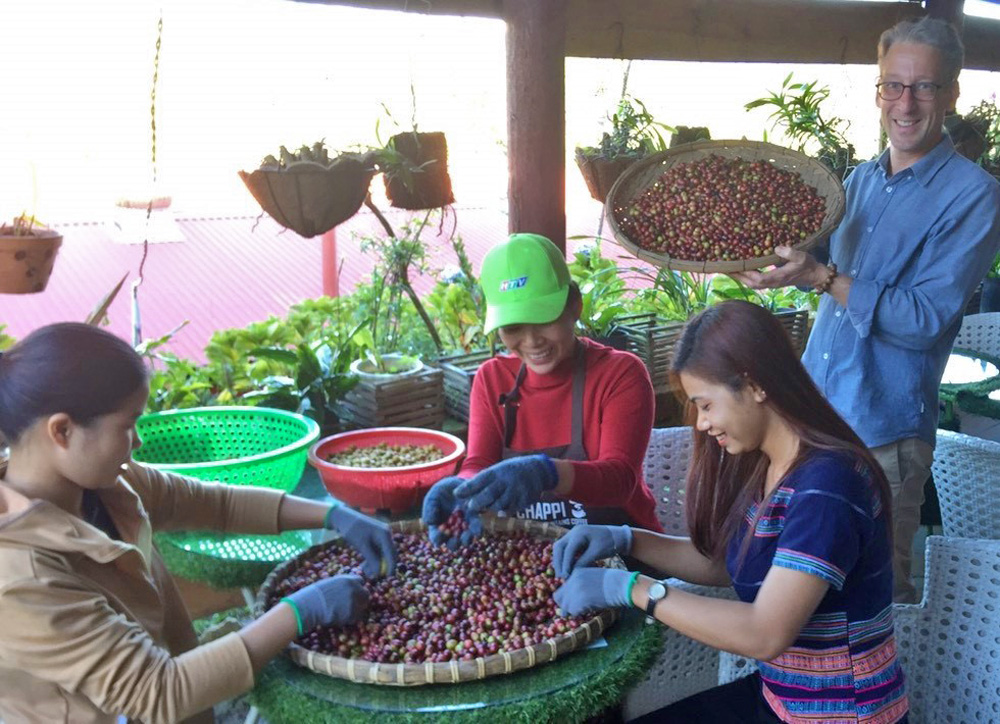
(237, 78)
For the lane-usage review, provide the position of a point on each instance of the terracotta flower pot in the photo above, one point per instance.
(26, 261)
(310, 198)
(428, 188)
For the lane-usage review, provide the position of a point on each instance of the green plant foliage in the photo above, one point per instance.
(602, 290)
(634, 133)
(398, 256)
(797, 115)
(6, 341)
(985, 118)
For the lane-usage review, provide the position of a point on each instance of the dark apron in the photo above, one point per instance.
(551, 508)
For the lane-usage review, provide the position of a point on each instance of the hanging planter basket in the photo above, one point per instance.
(310, 198)
(26, 260)
(426, 188)
(600, 173)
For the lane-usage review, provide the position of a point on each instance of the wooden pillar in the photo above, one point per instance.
(951, 10)
(536, 117)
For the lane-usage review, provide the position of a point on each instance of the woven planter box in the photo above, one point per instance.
(451, 672)
(459, 371)
(416, 400)
(653, 339)
(796, 323)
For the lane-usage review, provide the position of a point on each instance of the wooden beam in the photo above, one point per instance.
(952, 11)
(536, 117)
(778, 31)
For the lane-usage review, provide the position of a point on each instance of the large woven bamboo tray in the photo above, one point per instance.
(644, 173)
(451, 672)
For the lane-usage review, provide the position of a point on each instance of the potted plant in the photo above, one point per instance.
(990, 299)
(797, 112)
(634, 135)
(984, 119)
(307, 190)
(27, 253)
(414, 168)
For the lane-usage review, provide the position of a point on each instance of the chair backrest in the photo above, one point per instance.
(948, 644)
(966, 473)
(665, 468)
(980, 333)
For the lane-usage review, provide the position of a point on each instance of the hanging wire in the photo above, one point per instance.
(136, 314)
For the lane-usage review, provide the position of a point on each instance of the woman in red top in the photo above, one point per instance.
(559, 427)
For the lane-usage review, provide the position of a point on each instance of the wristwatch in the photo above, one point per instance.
(657, 592)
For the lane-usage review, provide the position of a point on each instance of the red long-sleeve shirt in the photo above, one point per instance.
(617, 417)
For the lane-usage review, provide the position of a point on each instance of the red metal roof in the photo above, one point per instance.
(227, 272)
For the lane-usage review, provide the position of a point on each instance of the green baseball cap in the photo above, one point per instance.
(525, 280)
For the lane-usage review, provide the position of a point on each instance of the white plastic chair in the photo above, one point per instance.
(966, 472)
(949, 643)
(980, 333)
(685, 667)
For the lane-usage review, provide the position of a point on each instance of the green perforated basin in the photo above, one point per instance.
(258, 446)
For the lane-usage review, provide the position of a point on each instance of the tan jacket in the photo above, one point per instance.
(92, 628)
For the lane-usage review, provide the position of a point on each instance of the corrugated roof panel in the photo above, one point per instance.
(228, 272)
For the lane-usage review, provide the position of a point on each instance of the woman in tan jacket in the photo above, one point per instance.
(91, 625)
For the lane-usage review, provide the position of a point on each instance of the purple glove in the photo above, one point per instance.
(335, 601)
(592, 588)
(369, 537)
(590, 543)
(510, 485)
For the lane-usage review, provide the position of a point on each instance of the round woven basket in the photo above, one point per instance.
(452, 672)
(638, 177)
(259, 446)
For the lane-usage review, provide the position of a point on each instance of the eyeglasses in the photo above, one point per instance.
(922, 91)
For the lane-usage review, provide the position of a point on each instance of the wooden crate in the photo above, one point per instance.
(411, 401)
(459, 369)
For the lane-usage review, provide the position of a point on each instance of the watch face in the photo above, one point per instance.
(657, 591)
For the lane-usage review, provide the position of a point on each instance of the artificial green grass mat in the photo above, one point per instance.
(569, 689)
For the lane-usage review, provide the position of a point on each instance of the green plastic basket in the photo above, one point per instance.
(257, 446)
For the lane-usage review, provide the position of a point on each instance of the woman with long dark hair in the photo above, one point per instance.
(784, 503)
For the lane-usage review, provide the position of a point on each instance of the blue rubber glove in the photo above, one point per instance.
(592, 588)
(510, 485)
(369, 537)
(336, 601)
(585, 544)
(439, 504)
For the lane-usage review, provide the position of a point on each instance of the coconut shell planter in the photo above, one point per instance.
(427, 185)
(723, 206)
(26, 259)
(445, 617)
(311, 198)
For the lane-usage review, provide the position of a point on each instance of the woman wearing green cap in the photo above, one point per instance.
(559, 427)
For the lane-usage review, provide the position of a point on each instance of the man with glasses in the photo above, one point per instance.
(921, 228)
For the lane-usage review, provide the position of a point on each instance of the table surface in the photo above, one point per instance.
(286, 691)
(964, 368)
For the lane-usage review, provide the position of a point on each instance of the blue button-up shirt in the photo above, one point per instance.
(916, 245)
